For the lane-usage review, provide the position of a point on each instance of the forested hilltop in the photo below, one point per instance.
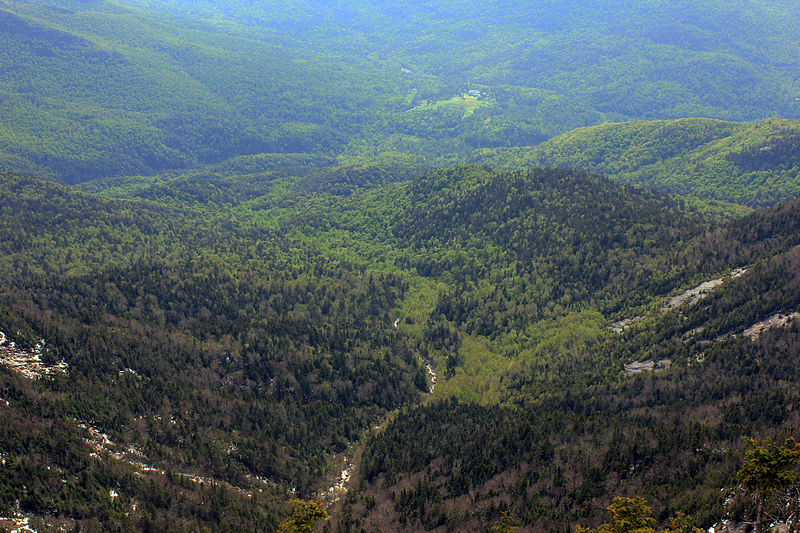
(95, 88)
(658, 408)
(748, 164)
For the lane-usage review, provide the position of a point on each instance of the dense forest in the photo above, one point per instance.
(243, 343)
(576, 428)
(748, 164)
(430, 267)
(94, 89)
(200, 354)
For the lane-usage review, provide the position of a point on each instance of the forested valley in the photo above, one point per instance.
(444, 267)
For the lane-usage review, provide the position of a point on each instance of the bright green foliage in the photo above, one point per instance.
(749, 164)
(767, 468)
(681, 523)
(505, 524)
(633, 515)
(120, 88)
(628, 515)
(304, 517)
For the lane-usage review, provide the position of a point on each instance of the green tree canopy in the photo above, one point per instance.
(767, 468)
(628, 515)
(305, 516)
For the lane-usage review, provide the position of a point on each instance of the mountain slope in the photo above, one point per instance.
(244, 331)
(496, 253)
(748, 164)
(110, 89)
(257, 281)
(212, 349)
(668, 428)
(221, 349)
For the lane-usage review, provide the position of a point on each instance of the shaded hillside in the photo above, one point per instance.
(213, 349)
(749, 164)
(542, 239)
(233, 189)
(499, 261)
(218, 348)
(491, 253)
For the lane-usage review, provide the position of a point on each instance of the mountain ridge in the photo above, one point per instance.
(750, 164)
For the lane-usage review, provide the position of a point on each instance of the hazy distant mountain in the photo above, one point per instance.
(96, 89)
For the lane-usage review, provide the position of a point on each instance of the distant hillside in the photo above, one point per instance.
(97, 89)
(750, 164)
(106, 89)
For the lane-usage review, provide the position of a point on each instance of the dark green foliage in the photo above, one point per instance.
(770, 468)
(660, 436)
(580, 431)
(533, 244)
(290, 274)
(48, 470)
(229, 326)
(210, 346)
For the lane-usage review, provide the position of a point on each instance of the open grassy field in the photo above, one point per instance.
(469, 104)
